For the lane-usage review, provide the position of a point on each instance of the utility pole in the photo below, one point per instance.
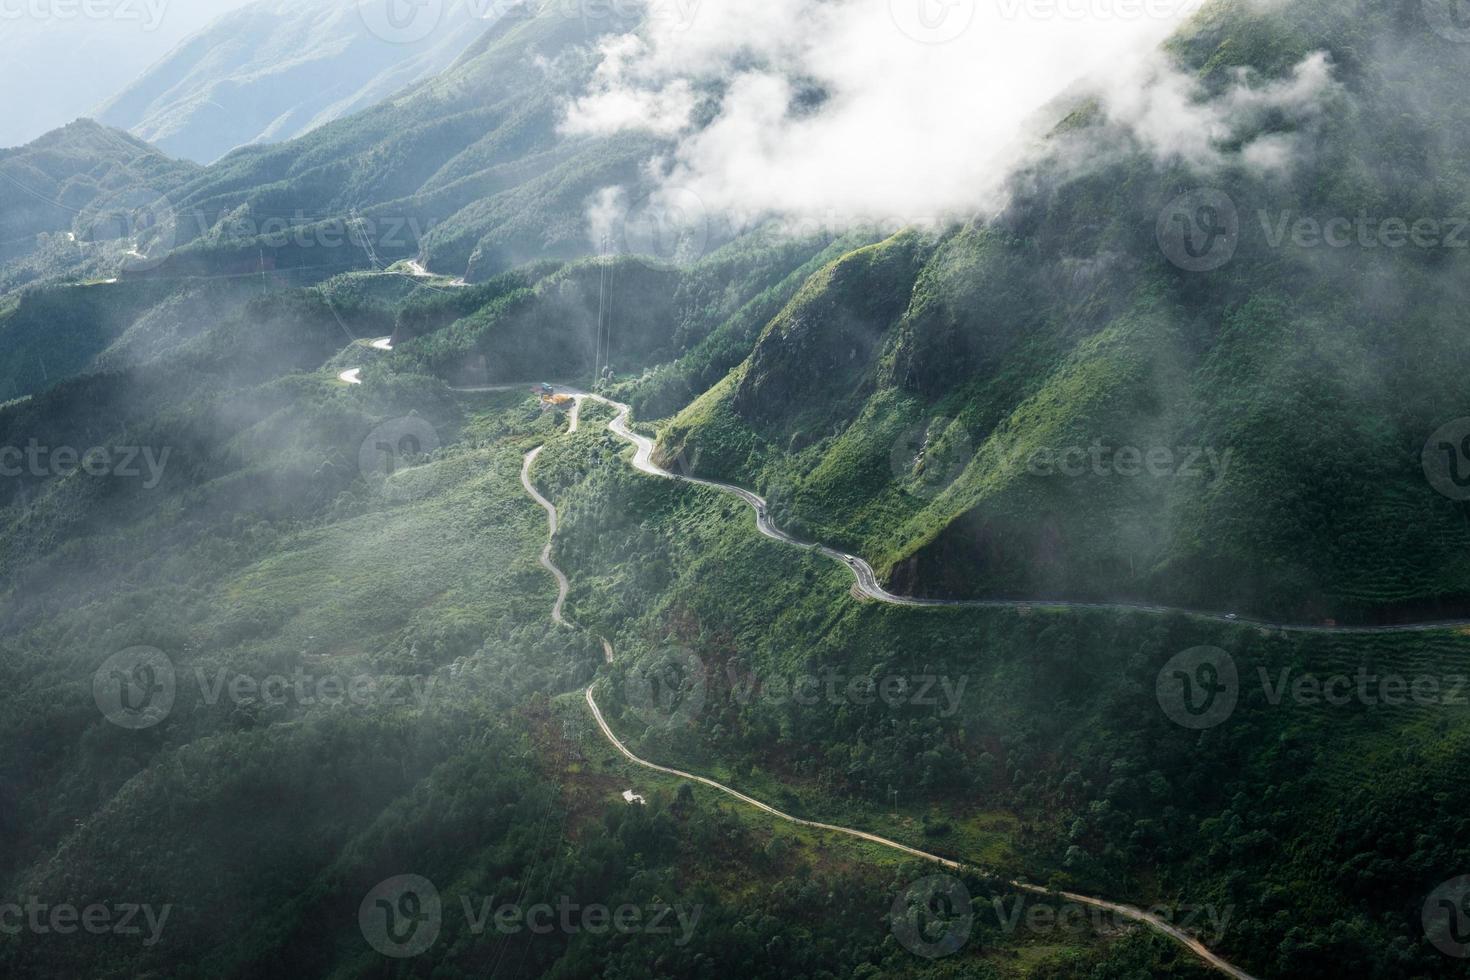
(601, 314)
(612, 277)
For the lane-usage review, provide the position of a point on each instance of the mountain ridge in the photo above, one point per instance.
(274, 70)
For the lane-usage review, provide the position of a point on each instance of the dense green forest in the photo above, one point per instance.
(341, 582)
(1002, 348)
(267, 551)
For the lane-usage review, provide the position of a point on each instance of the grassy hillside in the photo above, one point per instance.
(72, 201)
(465, 169)
(1049, 406)
(272, 71)
(1035, 742)
(366, 686)
(1047, 402)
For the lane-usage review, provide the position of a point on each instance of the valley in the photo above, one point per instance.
(796, 490)
(642, 461)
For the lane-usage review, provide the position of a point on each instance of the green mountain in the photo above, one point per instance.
(65, 60)
(1143, 383)
(270, 71)
(85, 180)
(1044, 405)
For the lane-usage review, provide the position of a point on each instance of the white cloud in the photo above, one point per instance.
(907, 131)
(1170, 114)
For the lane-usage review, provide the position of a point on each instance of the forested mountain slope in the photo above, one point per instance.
(466, 170)
(273, 70)
(1049, 403)
(84, 180)
(1127, 382)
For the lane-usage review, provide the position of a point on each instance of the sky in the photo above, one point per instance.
(828, 112)
(60, 59)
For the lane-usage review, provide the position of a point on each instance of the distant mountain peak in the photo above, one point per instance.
(274, 70)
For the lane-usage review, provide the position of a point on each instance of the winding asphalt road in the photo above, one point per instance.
(416, 270)
(553, 522)
(562, 585)
(643, 461)
(867, 579)
(868, 586)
